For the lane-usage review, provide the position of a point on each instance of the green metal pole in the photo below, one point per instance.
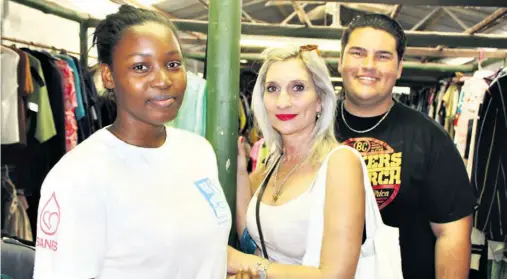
(222, 69)
(83, 42)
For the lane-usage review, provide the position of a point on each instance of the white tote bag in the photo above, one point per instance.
(380, 256)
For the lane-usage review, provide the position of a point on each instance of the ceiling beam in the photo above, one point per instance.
(455, 18)
(245, 14)
(153, 8)
(491, 19)
(334, 63)
(484, 24)
(415, 38)
(303, 17)
(434, 52)
(469, 3)
(396, 11)
(291, 16)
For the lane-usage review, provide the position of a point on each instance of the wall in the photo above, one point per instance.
(28, 24)
(24, 23)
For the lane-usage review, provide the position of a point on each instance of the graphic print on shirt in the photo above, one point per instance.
(384, 167)
(215, 198)
(49, 221)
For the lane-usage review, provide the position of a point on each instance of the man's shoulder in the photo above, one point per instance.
(414, 119)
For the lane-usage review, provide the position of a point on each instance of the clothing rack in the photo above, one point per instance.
(28, 43)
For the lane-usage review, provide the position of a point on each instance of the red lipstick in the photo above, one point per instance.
(285, 117)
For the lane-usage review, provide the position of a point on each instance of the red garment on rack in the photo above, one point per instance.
(70, 99)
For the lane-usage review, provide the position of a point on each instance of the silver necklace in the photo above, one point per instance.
(367, 130)
(278, 190)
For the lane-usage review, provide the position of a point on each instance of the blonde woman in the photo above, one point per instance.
(294, 105)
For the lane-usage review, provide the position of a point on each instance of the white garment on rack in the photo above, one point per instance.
(9, 75)
(473, 90)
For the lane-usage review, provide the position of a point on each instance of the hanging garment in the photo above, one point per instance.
(490, 163)
(39, 103)
(472, 94)
(25, 87)
(497, 260)
(53, 81)
(9, 73)
(94, 115)
(254, 153)
(192, 113)
(16, 221)
(70, 104)
(450, 103)
(80, 109)
(85, 126)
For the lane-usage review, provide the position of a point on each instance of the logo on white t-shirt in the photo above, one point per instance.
(215, 198)
(49, 221)
(50, 216)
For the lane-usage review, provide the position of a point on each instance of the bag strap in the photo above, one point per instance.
(373, 219)
(257, 206)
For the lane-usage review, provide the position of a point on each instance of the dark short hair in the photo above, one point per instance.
(380, 22)
(108, 32)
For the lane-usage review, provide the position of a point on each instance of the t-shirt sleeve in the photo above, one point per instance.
(70, 227)
(449, 194)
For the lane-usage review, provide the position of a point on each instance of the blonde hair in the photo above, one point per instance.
(323, 134)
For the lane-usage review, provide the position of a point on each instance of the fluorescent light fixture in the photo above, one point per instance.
(271, 41)
(243, 61)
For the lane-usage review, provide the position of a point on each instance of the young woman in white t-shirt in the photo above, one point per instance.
(294, 104)
(136, 199)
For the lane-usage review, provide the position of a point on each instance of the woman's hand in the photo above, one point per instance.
(242, 157)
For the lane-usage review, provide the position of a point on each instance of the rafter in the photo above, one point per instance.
(422, 24)
(437, 3)
(455, 18)
(291, 16)
(303, 17)
(153, 8)
(491, 19)
(417, 38)
(243, 12)
(247, 16)
(396, 11)
(485, 23)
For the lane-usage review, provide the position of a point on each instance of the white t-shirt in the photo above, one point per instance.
(9, 94)
(110, 210)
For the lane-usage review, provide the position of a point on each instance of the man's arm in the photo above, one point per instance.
(453, 248)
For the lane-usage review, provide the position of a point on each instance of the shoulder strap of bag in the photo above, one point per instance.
(257, 206)
(373, 218)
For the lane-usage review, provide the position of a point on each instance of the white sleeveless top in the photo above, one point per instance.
(293, 231)
(284, 227)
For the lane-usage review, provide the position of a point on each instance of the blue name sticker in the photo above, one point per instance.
(215, 198)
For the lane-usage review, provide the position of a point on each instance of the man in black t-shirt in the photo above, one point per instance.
(419, 179)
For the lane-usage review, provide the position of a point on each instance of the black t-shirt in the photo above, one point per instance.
(418, 177)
